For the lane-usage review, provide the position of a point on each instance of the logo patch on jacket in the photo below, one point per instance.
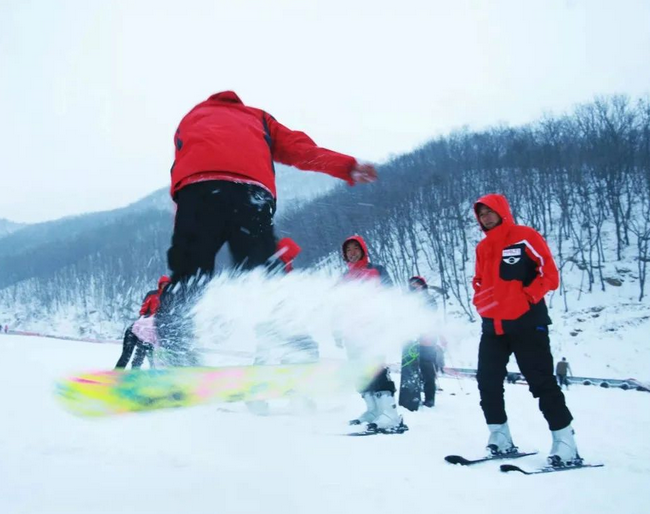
(511, 255)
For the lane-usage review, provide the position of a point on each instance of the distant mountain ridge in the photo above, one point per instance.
(7, 227)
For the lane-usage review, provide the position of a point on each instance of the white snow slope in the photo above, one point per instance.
(223, 459)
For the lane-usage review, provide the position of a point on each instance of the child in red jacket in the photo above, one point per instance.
(381, 413)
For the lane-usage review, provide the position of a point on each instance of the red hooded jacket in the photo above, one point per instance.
(363, 269)
(514, 270)
(223, 139)
(151, 300)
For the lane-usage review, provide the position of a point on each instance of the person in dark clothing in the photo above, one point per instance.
(223, 183)
(379, 395)
(142, 349)
(514, 270)
(131, 341)
(425, 348)
(562, 370)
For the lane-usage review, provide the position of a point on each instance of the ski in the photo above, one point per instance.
(398, 430)
(505, 468)
(457, 459)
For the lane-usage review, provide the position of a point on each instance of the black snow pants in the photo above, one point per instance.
(428, 371)
(209, 215)
(533, 353)
(142, 350)
(381, 382)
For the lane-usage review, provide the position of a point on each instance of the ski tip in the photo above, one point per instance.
(456, 459)
(505, 468)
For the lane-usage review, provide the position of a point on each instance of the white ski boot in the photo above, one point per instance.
(371, 410)
(388, 420)
(564, 451)
(500, 441)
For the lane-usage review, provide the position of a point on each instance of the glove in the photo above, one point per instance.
(363, 173)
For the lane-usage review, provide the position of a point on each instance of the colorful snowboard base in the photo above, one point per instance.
(106, 393)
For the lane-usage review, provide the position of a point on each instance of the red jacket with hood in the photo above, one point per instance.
(223, 139)
(151, 301)
(514, 270)
(363, 269)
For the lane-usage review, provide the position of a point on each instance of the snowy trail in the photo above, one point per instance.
(221, 458)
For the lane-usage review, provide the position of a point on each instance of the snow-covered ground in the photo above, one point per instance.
(221, 458)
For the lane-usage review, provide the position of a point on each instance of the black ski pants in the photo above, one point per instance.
(428, 371)
(381, 382)
(128, 345)
(216, 212)
(533, 353)
(563, 380)
(142, 350)
(210, 214)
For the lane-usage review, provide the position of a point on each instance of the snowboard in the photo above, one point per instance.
(106, 393)
(410, 386)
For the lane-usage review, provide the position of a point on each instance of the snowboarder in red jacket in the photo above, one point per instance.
(514, 270)
(223, 183)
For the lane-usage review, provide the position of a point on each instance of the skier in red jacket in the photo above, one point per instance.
(223, 183)
(514, 270)
(379, 395)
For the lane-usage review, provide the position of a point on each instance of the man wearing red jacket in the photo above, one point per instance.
(514, 270)
(223, 183)
(379, 395)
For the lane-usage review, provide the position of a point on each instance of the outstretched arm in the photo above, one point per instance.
(296, 148)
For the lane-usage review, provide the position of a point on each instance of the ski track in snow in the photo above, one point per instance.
(221, 458)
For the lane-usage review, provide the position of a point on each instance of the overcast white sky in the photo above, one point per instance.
(91, 91)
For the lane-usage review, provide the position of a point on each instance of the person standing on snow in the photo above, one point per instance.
(514, 270)
(424, 350)
(223, 183)
(134, 338)
(379, 395)
(562, 370)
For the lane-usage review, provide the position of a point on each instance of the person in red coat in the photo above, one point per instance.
(151, 300)
(514, 271)
(223, 183)
(379, 395)
(131, 341)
